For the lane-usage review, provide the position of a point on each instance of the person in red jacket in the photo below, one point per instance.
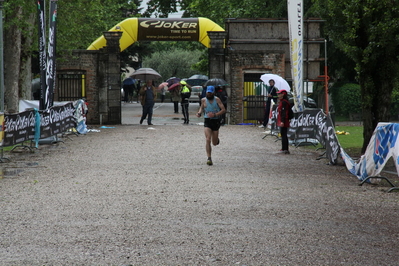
(283, 120)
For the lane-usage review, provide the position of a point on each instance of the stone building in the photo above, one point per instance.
(258, 46)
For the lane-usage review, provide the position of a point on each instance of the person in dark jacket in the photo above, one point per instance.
(148, 95)
(221, 93)
(283, 120)
(271, 96)
(185, 94)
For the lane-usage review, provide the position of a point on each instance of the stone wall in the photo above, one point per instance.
(87, 62)
(102, 79)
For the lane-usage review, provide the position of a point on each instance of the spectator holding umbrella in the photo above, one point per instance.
(148, 95)
(175, 95)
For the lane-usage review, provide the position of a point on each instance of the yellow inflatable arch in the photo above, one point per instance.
(161, 29)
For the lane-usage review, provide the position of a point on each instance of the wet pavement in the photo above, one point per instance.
(163, 114)
(143, 195)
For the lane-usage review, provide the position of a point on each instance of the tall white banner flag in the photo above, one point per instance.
(295, 26)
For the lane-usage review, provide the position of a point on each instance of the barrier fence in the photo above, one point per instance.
(312, 124)
(384, 144)
(33, 125)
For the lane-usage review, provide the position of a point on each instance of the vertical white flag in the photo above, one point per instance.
(295, 26)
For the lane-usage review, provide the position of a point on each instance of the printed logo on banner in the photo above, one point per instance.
(18, 127)
(21, 127)
(185, 29)
(313, 124)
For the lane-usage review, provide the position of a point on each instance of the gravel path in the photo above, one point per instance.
(134, 195)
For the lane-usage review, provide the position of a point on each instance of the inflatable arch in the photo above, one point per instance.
(161, 29)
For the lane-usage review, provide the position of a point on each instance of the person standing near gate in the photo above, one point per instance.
(185, 94)
(271, 95)
(213, 108)
(148, 95)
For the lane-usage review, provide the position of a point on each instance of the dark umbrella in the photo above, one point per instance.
(197, 80)
(172, 81)
(146, 74)
(216, 82)
(129, 81)
(173, 86)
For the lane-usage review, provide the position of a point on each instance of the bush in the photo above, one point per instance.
(346, 99)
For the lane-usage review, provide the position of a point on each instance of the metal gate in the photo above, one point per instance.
(70, 86)
(254, 102)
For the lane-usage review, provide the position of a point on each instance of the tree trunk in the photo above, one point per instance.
(12, 46)
(26, 59)
(376, 87)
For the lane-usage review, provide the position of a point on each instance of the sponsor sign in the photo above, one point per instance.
(22, 126)
(184, 29)
(295, 25)
(313, 124)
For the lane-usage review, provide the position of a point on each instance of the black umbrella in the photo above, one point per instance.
(216, 82)
(197, 80)
(172, 81)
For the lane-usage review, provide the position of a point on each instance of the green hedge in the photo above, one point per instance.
(346, 99)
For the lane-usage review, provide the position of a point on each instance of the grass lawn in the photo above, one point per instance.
(353, 141)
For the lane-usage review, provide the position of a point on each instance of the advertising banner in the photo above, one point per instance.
(184, 29)
(34, 125)
(42, 50)
(50, 71)
(1, 129)
(313, 124)
(57, 120)
(19, 127)
(295, 25)
(383, 145)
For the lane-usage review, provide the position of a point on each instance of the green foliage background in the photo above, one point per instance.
(346, 99)
(175, 62)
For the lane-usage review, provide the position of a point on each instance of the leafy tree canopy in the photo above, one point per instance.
(175, 62)
(80, 23)
(368, 33)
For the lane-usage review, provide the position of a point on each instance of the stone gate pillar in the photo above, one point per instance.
(216, 54)
(110, 87)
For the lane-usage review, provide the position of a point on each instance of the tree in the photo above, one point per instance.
(217, 11)
(368, 33)
(17, 51)
(78, 25)
(175, 62)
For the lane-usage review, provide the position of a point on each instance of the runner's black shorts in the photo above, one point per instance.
(213, 124)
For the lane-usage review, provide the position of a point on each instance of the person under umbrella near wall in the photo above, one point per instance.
(148, 95)
(185, 94)
(283, 120)
(213, 108)
(271, 96)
